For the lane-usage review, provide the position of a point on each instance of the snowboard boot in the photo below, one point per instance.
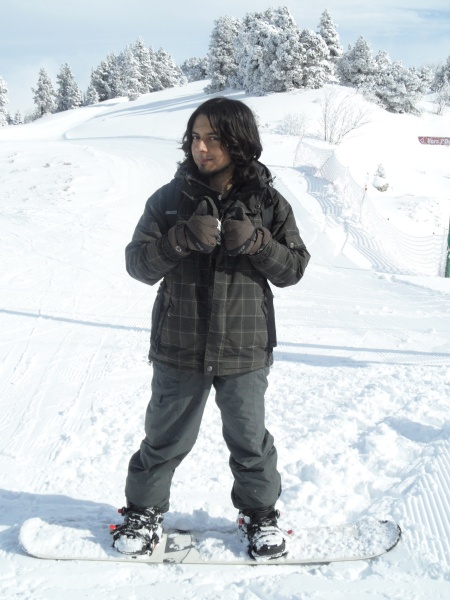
(140, 531)
(265, 538)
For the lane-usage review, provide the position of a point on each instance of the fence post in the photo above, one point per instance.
(447, 265)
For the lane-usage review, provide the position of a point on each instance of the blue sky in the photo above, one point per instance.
(48, 33)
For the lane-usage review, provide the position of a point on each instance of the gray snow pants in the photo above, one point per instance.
(172, 424)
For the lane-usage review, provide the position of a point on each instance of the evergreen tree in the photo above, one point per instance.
(357, 67)
(316, 67)
(106, 78)
(155, 84)
(30, 117)
(68, 95)
(284, 54)
(168, 73)
(130, 80)
(383, 70)
(99, 81)
(222, 64)
(383, 62)
(426, 78)
(195, 69)
(252, 37)
(114, 75)
(399, 89)
(145, 58)
(442, 76)
(18, 118)
(91, 96)
(269, 53)
(273, 55)
(135, 71)
(4, 114)
(44, 94)
(328, 30)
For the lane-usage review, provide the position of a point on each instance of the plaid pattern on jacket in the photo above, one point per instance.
(214, 313)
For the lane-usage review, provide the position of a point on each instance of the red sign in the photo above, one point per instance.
(434, 141)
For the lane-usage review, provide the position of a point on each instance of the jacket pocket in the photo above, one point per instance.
(269, 311)
(160, 310)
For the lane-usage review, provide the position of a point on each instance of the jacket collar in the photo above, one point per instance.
(262, 178)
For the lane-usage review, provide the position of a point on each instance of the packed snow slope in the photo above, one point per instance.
(358, 395)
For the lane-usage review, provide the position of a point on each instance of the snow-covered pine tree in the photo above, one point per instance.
(145, 59)
(115, 74)
(154, 83)
(269, 53)
(254, 36)
(222, 64)
(18, 118)
(383, 68)
(399, 89)
(357, 66)
(195, 69)
(44, 94)
(4, 114)
(130, 75)
(383, 62)
(99, 81)
(106, 78)
(91, 96)
(168, 73)
(68, 95)
(242, 50)
(284, 54)
(426, 78)
(328, 30)
(442, 76)
(316, 68)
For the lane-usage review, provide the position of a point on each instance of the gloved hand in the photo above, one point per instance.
(200, 233)
(240, 235)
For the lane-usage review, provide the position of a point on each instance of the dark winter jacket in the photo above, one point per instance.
(214, 313)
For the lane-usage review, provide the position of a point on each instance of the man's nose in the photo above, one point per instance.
(201, 146)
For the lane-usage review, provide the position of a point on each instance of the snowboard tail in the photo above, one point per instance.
(79, 539)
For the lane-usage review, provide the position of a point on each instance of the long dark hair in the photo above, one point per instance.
(234, 123)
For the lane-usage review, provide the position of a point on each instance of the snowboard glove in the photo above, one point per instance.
(240, 235)
(200, 233)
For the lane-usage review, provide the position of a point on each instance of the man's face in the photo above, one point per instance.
(209, 155)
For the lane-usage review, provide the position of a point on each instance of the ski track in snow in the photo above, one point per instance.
(357, 398)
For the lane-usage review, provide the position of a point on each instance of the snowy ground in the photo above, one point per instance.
(358, 396)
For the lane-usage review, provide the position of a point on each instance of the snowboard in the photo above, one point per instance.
(82, 539)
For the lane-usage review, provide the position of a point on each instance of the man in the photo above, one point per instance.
(215, 235)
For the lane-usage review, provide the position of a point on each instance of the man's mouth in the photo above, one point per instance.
(204, 161)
